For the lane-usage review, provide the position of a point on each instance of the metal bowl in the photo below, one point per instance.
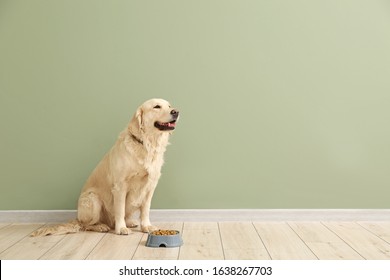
(168, 241)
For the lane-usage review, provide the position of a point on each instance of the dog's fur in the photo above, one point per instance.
(125, 179)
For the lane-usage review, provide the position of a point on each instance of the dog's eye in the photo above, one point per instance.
(157, 107)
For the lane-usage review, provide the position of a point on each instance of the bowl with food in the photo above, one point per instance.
(164, 238)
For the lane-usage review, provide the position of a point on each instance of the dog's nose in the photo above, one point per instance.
(175, 113)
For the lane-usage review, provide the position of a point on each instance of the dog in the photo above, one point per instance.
(124, 181)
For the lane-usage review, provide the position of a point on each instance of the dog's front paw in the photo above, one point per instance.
(148, 228)
(123, 231)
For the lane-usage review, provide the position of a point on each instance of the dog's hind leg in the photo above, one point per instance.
(89, 213)
(100, 227)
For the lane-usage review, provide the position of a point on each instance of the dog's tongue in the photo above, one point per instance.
(168, 124)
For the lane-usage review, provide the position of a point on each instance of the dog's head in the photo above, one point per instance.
(155, 116)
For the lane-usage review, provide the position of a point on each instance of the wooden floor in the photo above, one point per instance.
(224, 240)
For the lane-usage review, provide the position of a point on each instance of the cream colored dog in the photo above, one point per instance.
(125, 179)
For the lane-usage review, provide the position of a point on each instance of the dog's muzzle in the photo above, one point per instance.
(168, 125)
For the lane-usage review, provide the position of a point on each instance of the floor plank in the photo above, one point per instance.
(364, 242)
(148, 253)
(380, 229)
(4, 225)
(282, 242)
(209, 240)
(201, 242)
(116, 247)
(201, 225)
(9, 235)
(241, 241)
(31, 248)
(75, 246)
(323, 243)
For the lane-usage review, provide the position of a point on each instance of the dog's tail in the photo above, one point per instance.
(71, 227)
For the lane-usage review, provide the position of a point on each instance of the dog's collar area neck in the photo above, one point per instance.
(135, 138)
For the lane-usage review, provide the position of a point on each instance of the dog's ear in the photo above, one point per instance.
(139, 115)
(136, 124)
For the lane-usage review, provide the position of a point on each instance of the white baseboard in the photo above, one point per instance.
(37, 216)
(212, 215)
(224, 215)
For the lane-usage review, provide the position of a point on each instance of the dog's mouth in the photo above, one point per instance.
(165, 126)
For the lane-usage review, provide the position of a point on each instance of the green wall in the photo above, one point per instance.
(285, 104)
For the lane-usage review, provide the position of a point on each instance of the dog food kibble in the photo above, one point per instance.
(164, 232)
